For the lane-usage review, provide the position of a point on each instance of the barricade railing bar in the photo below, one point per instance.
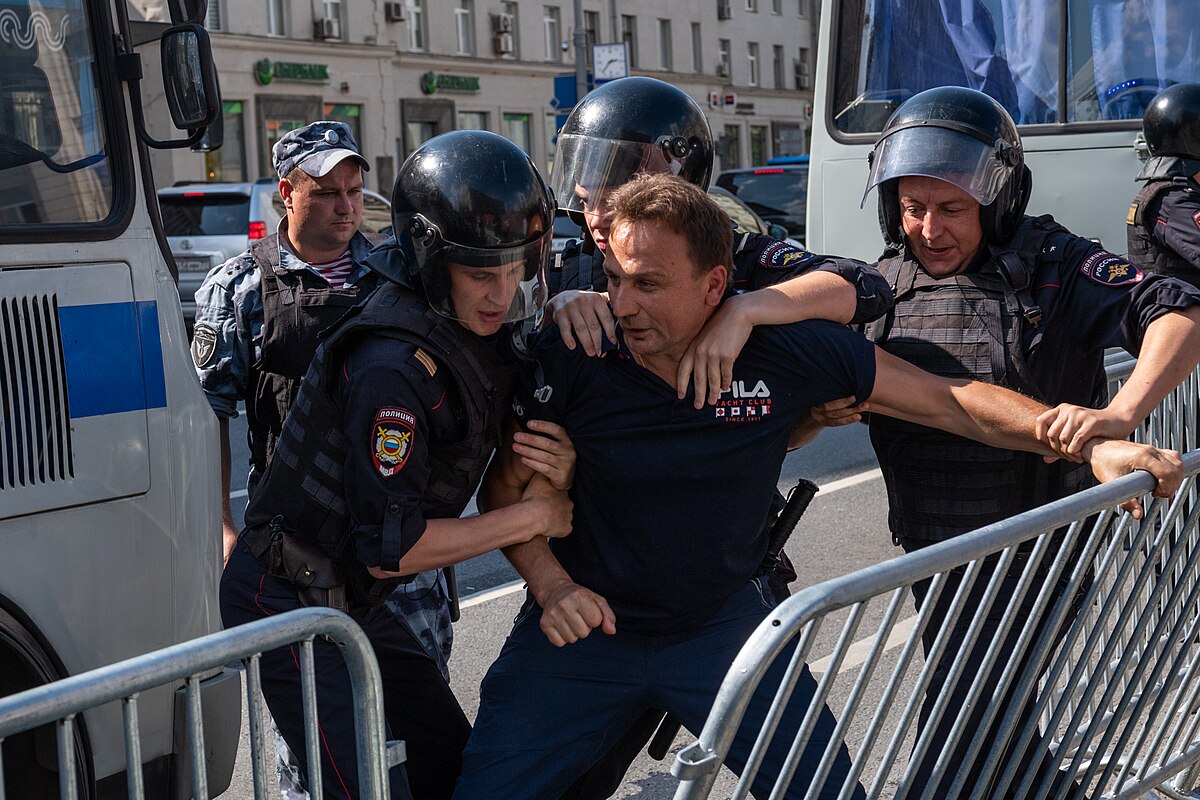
(63, 701)
(1077, 617)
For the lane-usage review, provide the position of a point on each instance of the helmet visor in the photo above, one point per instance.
(948, 155)
(468, 284)
(585, 168)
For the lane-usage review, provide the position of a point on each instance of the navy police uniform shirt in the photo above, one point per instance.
(671, 502)
(1091, 299)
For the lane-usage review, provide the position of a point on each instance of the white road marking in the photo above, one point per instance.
(495, 593)
(856, 654)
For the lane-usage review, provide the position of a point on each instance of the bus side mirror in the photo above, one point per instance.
(190, 77)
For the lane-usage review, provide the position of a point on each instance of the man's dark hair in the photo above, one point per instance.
(682, 207)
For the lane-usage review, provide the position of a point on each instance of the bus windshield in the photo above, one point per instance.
(1118, 55)
(53, 162)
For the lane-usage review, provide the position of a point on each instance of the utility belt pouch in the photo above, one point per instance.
(319, 580)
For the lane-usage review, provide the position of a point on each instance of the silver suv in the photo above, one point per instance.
(209, 223)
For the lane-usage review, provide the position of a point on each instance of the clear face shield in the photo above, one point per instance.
(492, 276)
(979, 169)
(585, 167)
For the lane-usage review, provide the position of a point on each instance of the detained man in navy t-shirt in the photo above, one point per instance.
(648, 600)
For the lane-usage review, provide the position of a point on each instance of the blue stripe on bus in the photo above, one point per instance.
(113, 358)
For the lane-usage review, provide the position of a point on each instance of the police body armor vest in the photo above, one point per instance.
(1144, 249)
(306, 476)
(297, 306)
(977, 326)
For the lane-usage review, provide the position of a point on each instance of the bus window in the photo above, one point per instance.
(53, 163)
(1120, 54)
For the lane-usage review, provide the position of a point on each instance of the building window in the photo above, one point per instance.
(551, 28)
(730, 147)
(697, 52)
(472, 120)
(212, 18)
(517, 129)
(752, 5)
(723, 58)
(510, 9)
(591, 28)
(629, 37)
(803, 70)
(758, 145)
(276, 26)
(664, 44)
(752, 63)
(777, 66)
(416, 24)
(803, 7)
(229, 162)
(333, 11)
(776, 6)
(465, 24)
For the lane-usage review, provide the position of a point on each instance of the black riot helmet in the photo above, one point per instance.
(624, 127)
(1172, 122)
(471, 198)
(960, 136)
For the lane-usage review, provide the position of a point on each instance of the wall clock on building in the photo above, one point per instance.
(609, 62)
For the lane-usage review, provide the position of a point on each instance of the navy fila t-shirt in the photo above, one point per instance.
(671, 502)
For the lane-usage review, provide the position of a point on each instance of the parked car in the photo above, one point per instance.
(209, 223)
(778, 191)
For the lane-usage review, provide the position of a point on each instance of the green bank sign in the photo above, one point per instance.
(434, 81)
(266, 71)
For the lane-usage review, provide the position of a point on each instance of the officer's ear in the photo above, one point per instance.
(715, 283)
(285, 192)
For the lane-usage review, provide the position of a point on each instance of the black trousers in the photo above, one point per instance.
(419, 706)
(1035, 756)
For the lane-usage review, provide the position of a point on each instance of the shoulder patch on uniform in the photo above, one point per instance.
(781, 255)
(1196, 219)
(1110, 270)
(426, 361)
(204, 344)
(392, 438)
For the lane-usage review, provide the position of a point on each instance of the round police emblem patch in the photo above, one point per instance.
(204, 344)
(1111, 270)
(392, 439)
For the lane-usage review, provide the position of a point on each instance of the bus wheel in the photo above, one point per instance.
(31, 767)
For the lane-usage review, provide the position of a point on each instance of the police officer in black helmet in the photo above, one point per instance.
(985, 292)
(638, 125)
(1164, 220)
(386, 443)
(644, 125)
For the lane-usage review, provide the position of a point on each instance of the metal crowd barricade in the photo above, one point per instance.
(62, 701)
(1116, 685)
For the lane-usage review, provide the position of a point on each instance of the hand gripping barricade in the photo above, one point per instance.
(1094, 664)
(61, 702)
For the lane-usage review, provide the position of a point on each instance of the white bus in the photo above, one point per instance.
(1074, 74)
(109, 490)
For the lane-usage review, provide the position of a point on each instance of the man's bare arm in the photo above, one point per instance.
(569, 611)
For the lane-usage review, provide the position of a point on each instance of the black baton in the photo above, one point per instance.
(789, 517)
(781, 530)
(452, 593)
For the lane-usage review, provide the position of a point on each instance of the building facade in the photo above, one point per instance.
(402, 71)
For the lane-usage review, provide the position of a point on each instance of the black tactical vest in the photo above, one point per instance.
(580, 265)
(1144, 250)
(979, 326)
(305, 480)
(297, 306)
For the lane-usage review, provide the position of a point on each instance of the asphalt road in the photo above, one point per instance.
(844, 529)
